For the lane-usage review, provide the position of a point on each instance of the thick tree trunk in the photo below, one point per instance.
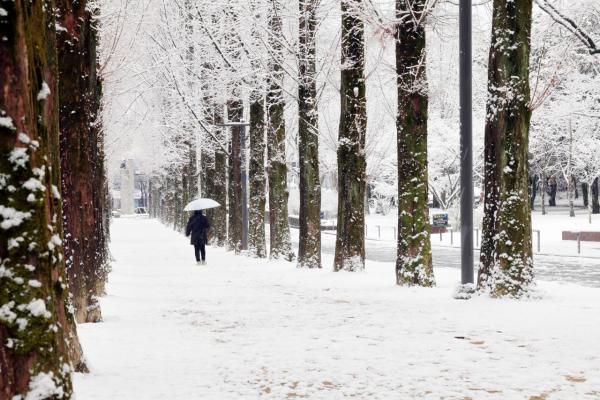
(350, 241)
(281, 244)
(219, 214)
(506, 267)
(234, 238)
(37, 329)
(82, 158)
(256, 231)
(309, 248)
(414, 264)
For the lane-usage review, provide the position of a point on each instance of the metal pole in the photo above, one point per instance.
(244, 189)
(466, 142)
(578, 242)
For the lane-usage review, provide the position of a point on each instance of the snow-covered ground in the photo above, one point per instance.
(549, 226)
(242, 328)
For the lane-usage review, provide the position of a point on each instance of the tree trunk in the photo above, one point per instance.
(553, 191)
(82, 158)
(256, 231)
(595, 202)
(350, 240)
(281, 244)
(506, 267)
(309, 248)
(234, 239)
(588, 200)
(37, 330)
(585, 193)
(414, 264)
(533, 188)
(219, 215)
(543, 193)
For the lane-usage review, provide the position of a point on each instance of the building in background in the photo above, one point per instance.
(129, 191)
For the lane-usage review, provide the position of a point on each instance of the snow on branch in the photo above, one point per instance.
(570, 25)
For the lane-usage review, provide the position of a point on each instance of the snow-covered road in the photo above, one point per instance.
(242, 328)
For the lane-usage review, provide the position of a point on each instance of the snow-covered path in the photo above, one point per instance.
(241, 328)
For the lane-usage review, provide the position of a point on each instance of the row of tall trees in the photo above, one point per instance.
(222, 55)
(53, 194)
(242, 73)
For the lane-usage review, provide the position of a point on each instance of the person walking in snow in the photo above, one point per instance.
(198, 227)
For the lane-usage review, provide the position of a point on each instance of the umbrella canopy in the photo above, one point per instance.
(201, 204)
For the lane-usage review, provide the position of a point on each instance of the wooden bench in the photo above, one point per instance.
(584, 236)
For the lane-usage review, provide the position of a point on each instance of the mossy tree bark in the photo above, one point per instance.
(281, 244)
(82, 158)
(38, 339)
(235, 110)
(414, 263)
(256, 214)
(350, 241)
(309, 249)
(506, 264)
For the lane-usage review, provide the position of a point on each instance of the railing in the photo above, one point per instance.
(375, 232)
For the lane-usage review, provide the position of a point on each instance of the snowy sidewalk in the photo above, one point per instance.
(241, 328)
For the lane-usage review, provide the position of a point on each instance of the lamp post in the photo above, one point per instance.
(466, 142)
(244, 178)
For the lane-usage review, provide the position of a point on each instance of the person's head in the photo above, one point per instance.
(198, 212)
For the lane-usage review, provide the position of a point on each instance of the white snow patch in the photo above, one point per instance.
(54, 241)
(43, 386)
(11, 217)
(44, 92)
(37, 308)
(6, 122)
(35, 283)
(19, 157)
(33, 185)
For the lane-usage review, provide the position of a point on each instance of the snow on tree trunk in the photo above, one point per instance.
(37, 331)
(234, 238)
(350, 240)
(281, 244)
(82, 158)
(506, 265)
(414, 263)
(309, 248)
(256, 173)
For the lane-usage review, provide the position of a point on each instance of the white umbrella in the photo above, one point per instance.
(201, 204)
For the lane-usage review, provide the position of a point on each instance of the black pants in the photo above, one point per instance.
(200, 249)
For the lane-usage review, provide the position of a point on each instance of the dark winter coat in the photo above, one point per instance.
(198, 227)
